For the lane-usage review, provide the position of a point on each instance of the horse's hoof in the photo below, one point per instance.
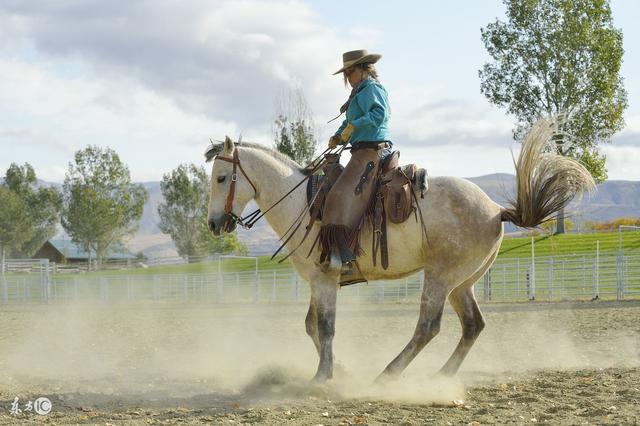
(321, 378)
(385, 377)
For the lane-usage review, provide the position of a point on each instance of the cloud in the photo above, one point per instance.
(226, 59)
(443, 121)
(45, 117)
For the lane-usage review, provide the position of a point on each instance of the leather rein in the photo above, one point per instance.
(249, 220)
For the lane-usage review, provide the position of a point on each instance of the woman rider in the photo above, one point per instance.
(366, 128)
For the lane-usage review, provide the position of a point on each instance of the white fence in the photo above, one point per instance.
(551, 279)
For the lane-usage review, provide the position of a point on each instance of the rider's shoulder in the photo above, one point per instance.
(372, 85)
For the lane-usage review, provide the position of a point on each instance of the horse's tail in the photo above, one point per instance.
(545, 181)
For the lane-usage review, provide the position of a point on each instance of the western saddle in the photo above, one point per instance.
(394, 199)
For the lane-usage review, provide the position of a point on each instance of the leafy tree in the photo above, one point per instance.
(183, 214)
(101, 205)
(15, 224)
(294, 129)
(551, 226)
(42, 205)
(559, 58)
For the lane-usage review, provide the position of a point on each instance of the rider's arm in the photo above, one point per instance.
(341, 128)
(373, 102)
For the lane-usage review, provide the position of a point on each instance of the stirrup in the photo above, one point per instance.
(347, 268)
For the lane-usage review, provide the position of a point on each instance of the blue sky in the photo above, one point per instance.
(155, 79)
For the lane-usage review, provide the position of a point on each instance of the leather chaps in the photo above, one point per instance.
(347, 203)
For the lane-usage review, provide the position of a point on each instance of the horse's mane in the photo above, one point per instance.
(218, 148)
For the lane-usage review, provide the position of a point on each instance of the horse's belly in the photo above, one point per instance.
(405, 249)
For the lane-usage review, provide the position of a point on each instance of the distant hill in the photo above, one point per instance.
(614, 198)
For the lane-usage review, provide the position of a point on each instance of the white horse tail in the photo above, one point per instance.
(545, 181)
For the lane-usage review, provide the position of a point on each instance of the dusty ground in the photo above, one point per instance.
(191, 364)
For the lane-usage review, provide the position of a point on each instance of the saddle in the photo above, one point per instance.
(392, 198)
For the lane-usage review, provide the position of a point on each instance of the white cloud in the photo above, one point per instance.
(44, 118)
(623, 162)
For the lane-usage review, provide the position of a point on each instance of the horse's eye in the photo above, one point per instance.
(221, 179)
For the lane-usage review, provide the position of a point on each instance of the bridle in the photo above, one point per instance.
(249, 220)
(228, 207)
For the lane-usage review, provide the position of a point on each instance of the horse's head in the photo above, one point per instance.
(231, 190)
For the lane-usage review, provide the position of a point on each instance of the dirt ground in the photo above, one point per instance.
(178, 363)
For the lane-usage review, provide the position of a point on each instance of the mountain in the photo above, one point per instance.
(613, 199)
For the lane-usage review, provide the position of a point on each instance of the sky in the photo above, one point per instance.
(155, 79)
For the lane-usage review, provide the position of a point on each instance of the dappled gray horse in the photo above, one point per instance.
(464, 228)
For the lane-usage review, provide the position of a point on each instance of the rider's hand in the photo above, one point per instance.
(347, 132)
(334, 141)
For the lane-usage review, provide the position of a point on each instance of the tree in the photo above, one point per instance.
(15, 224)
(294, 129)
(101, 205)
(183, 214)
(551, 226)
(559, 58)
(43, 206)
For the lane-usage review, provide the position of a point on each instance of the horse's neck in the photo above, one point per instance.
(273, 179)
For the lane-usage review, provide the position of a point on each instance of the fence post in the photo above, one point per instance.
(594, 291)
(256, 278)
(619, 275)
(550, 280)
(296, 287)
(5, 289)
(486, 290)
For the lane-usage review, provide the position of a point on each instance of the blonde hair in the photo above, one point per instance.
(369, 70)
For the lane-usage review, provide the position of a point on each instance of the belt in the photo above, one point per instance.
(370, 145)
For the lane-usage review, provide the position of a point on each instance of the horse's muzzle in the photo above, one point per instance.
(224, 224)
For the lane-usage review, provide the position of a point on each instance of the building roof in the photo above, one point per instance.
(71, 250)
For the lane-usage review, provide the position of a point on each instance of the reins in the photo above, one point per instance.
(250, 219)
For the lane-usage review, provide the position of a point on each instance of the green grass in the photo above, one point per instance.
(545, 245)
(206, 267)
(569, 244)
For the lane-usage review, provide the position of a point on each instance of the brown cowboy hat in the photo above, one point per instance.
(355, 57)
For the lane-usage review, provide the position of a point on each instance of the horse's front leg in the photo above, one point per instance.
(324, 288)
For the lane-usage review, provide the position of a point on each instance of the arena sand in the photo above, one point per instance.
(173, 362)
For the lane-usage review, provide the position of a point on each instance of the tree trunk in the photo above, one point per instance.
(560, 222)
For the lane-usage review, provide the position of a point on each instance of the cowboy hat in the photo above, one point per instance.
(355, 57)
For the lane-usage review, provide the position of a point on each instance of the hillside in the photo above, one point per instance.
(613, 199)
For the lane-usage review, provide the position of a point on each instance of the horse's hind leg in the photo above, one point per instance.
(465, 305)
(434, 295)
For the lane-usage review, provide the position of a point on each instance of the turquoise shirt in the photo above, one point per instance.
(369, 113)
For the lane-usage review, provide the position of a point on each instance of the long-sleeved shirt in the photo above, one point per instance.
(369, 113)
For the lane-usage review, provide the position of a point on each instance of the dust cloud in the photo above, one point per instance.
(162, 350)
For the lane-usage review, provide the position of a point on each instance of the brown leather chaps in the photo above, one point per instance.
(347, 204)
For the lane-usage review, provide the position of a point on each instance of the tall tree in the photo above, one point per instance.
(294, 127)
(43, 206)
(183, 214)
(559, 58)
(101, 204)
(15, 225)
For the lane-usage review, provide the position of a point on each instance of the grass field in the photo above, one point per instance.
(569, 244)
(518, 247)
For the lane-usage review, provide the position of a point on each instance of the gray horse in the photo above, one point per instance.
(464, 228)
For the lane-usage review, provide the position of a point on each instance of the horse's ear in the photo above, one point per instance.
(228, 146)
